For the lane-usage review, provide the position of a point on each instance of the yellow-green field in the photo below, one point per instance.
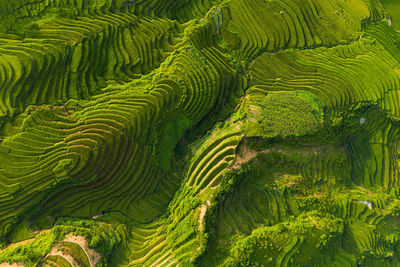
(199, 133)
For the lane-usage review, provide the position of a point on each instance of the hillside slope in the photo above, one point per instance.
(199, 133)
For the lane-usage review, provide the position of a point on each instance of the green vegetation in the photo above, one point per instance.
(393, 10)
(199, 133)
(101, 237)
(282, 113)
(76, 252)
(20, 233)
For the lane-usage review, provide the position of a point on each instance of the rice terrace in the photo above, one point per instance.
(199, 133)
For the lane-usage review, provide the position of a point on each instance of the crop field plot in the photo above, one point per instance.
(199, 133)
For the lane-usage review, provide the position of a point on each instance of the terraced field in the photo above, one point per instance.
(199, 133)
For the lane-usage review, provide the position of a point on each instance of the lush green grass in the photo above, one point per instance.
(392, 8)
(199, 132)
(282, 113)
(21, 233)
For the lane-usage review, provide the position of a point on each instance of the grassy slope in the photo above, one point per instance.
(393, 10)
(199, 132)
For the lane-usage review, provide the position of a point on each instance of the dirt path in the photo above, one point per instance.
(245, 155)
(14, 264)
(23, 242)
(92, 255)
(66, 257)
(203, 211)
